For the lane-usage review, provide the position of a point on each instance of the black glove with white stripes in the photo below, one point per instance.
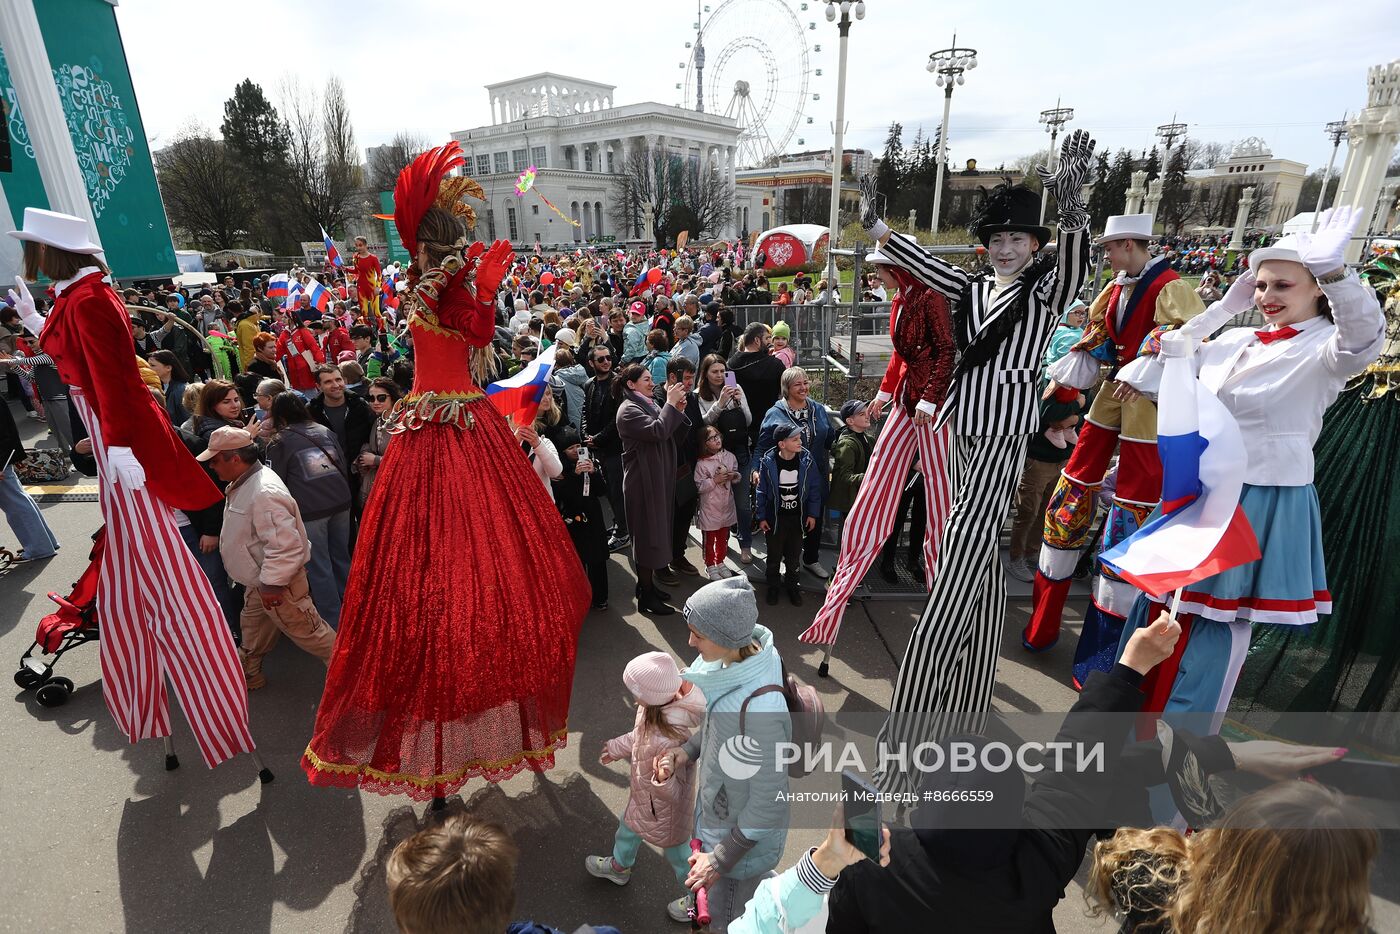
(1066, 183)
(870, 221)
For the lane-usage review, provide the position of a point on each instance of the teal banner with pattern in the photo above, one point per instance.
(90, 70)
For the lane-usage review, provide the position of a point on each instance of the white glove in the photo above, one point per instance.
(125, 469)
(1322, 252)
(24, 304)
(1240, 297)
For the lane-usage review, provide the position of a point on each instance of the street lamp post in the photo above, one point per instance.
(845, 9)
(1168, 133)
(949, 64)
(1053, 119)
(1337, 129)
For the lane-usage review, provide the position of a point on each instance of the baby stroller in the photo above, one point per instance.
(74, 624)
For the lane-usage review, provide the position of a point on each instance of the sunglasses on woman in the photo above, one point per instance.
(378, 397)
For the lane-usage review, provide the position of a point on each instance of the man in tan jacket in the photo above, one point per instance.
(264, 547)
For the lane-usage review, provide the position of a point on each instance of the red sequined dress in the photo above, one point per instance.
(455, 655)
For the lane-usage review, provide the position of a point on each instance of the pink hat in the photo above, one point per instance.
(638, 307)
(652, 678)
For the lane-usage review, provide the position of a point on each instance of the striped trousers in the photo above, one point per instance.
(159, 618)
(872, 514)
(945, 680)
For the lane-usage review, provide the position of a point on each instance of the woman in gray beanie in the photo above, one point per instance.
(739, 782)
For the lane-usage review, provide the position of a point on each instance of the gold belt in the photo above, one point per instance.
(444, 408)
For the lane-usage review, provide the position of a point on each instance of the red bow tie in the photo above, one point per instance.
(1282, 334)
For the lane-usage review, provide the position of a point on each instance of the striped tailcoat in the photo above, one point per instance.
(998, 397)
(949, 666)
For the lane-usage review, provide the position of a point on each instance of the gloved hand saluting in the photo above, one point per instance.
(870, 220)
(124, 468)
(1323, 252)
(1066, 183)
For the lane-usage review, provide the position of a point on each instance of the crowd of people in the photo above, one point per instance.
(329, 415)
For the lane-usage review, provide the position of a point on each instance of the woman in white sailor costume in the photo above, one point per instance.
(1323, 327)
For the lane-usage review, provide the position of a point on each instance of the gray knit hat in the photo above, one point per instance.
(724, 611)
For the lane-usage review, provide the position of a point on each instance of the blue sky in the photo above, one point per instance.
(1278, 71)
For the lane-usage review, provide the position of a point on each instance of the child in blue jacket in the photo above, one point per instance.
(789, 501)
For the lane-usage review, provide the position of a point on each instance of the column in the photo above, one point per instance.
(1373, 135)
(1154, 197)
(28, 61)
(1136, 192)
(651, 155)
(1241, 217)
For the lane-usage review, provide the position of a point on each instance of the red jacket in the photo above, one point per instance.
(337, 342)
(88, 334)
(290, 345)
(921, 363)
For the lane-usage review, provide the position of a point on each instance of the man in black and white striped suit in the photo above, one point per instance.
(1003, 322)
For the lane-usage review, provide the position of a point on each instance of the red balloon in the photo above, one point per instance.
(654, 276)
(546, 278)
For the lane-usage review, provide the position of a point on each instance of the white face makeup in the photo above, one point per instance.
(1010, 251)
(1285, 292)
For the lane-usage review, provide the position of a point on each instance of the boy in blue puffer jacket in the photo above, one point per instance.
(789, 501)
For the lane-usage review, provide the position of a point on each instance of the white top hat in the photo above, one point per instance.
(1286, 249)
(1127, 227)
(63, 231)
(876, 258)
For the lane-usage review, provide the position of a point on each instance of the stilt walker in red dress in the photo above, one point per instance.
(445, 667)
(159, 615)
(916, 381)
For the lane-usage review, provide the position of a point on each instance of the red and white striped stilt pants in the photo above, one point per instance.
(872, 515)
(159, 617)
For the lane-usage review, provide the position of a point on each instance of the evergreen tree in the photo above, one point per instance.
(256, 138)
(1153, 165)
(1115, 186)
(1175, 195)
(891, 174)
(1099, 207)
(252, 128)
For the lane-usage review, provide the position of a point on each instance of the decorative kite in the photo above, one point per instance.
(526, 181)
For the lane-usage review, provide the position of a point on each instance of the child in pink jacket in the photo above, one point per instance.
(714, 472)
(661, 813)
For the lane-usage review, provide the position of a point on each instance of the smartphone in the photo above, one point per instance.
(862, 810)
(583, 454)
(729, 378)
(248, 412)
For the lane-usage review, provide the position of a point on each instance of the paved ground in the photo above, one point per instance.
(96, 836)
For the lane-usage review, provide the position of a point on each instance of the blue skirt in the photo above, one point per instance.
(1288, 584)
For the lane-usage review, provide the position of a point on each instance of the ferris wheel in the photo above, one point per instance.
(751, 61)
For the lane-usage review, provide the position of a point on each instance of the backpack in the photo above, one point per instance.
(806, 709)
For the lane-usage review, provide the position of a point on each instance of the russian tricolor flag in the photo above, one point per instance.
(277, 286)
(1202, 530)
(332, 254)
(518, 397)
(320, 295)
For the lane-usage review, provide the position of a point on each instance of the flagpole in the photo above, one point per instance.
(1176, 603)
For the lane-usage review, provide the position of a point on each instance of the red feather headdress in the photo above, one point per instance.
(418, 187)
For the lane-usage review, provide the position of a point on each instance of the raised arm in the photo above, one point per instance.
(1066, 183)
(1355, 310)
(933, 272)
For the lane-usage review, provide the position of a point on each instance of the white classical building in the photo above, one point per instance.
(579, 140)
(1251, 164)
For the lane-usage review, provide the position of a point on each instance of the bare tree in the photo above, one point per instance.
(1200, 154)
(387, 161)
(323, 165)
(685, 195)
(204, 189)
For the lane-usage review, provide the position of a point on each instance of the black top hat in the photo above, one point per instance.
(1010, 207)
